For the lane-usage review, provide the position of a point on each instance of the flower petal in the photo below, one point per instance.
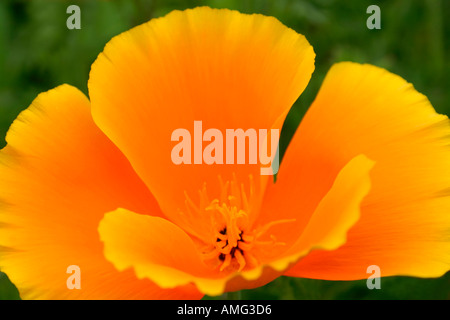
(59, 174)
(143, 242)
(405, 222)
(336, 213)
(226, 69)
(157, 249)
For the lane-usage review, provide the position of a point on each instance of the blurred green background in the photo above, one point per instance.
(38, 52)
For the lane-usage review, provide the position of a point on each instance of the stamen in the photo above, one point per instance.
(240, 259)
(271, 224)
(245, 246)
(226, 263)
(190, 204)
(234, 245)
(221, 236)
(211, 255)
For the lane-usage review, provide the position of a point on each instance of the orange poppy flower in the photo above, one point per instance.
(364, 180)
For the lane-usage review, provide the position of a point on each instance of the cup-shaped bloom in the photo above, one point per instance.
(364, 180)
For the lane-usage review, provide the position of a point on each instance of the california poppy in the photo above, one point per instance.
(364, 180)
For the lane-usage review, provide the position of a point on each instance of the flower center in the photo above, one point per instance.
(232, 240)
(233, 244)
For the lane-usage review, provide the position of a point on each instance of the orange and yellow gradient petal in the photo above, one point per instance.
(226, 69)
(162, 252)
(59, 175)
(404, 226)
(363, 182)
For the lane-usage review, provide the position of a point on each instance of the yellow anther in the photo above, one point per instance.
(234, 244)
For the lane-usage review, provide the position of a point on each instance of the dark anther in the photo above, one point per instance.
(233, 250)
(226, 243)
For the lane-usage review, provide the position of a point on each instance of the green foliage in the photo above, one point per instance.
(38, 52)
(7, 290)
